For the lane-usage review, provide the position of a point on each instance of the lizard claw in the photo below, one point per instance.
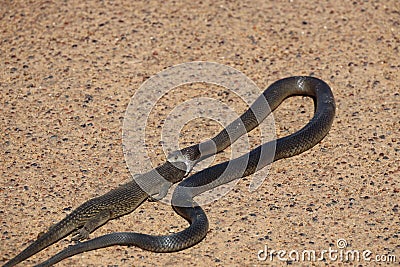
(162, 193)
(80, 234)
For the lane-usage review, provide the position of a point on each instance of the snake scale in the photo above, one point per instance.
(120, 201)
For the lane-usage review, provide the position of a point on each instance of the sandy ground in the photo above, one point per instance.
(70, 68)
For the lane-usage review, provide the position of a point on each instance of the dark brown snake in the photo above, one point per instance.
(182, 200)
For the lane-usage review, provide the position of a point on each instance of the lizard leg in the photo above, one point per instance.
(162, 193)
(92, 224)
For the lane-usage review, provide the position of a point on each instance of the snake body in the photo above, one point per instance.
(182, 201)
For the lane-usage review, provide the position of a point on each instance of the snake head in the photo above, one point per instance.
(177, 156)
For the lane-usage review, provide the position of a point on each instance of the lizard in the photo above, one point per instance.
(97, 211)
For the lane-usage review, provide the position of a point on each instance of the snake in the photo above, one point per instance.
(183, 201)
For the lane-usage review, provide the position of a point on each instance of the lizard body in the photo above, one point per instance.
(97, 211)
